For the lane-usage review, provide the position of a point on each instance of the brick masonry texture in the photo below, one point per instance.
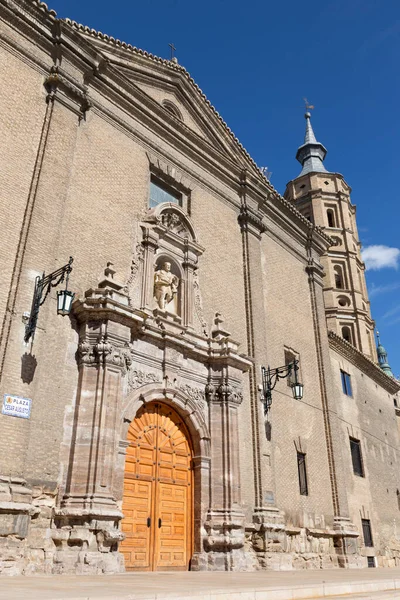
(84, 129)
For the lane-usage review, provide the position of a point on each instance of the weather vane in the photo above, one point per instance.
(308, 105)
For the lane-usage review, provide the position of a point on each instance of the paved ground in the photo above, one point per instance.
(265, 585)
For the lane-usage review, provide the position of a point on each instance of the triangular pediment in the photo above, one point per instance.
(171, 89)
(165, 82)
(170, 94)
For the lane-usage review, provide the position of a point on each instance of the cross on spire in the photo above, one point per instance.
(173, 49)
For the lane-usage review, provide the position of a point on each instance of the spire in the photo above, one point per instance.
(311, 154)
(382, 358)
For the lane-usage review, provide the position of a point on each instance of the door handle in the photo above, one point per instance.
(159, 523)
(148, 521)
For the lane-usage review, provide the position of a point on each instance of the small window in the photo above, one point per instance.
(346, 334)
(356, 457)
(301, 466)
(371, 562)
(331, 218)
(395, 403)
(172, 109)
(339, 281)
(398, 499)
(346, 383)
(367, 533)
(160, 193)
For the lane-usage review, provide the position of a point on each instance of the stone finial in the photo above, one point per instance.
(109, 272)
(218, 332)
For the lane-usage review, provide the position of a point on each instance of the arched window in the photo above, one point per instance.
(339, 281)
(331, 218)
(172, 109)
(346, 334)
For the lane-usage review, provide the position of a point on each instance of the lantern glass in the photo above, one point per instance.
(297, 389)
(64, 302)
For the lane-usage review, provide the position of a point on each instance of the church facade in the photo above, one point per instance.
(152, 438)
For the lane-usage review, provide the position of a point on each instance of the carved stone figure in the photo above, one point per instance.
(165, 286)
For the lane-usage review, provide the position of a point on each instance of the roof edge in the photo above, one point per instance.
(364, 363)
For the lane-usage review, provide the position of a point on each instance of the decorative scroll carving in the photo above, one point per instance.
(137, 378)
(196, 394)
(137, 260)
(198, 304)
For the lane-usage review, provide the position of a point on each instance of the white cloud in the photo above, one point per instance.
(380, 257)
(376, 290)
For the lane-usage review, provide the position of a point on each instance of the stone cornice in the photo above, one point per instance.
(359, 360)
(102, 304)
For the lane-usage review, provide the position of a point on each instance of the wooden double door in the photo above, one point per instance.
(157, 501)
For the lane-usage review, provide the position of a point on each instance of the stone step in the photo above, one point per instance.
(353, 585)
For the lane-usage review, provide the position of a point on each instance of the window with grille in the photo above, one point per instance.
(367, 533)
(356, 457)
(301, 465)
(371, 562)
(346, 383)
(159, 193)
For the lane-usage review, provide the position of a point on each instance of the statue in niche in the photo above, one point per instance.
(165, 287)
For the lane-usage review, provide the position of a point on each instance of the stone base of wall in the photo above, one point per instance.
(37, 537)
(25, 517)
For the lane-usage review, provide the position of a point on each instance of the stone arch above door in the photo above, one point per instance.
(186, 406)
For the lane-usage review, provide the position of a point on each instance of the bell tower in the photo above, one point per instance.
(324, 199)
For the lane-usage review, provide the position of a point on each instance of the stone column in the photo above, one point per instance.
(87, 533)
(225, 519)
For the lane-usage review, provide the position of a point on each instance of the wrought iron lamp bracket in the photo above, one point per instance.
(43, 285)
(270, 378)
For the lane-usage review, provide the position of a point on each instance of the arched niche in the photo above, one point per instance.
(169, 236)
(168, 297)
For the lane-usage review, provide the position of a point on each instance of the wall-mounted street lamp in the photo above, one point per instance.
(270, 377)
(43, 286)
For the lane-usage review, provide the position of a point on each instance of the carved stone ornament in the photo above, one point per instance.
(104, 353)
(224, 393)
(196, 394)
(136, 264)
(137, 378)
(173, 222)
(198, 304)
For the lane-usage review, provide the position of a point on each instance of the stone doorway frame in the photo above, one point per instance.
(197, 428)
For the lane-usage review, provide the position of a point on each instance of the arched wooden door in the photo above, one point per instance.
(157, 501)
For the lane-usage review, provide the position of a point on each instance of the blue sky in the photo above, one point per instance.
(256, 60)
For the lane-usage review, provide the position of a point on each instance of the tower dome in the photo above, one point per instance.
(383, 358)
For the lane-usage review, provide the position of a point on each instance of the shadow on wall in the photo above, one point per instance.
(28, 367)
